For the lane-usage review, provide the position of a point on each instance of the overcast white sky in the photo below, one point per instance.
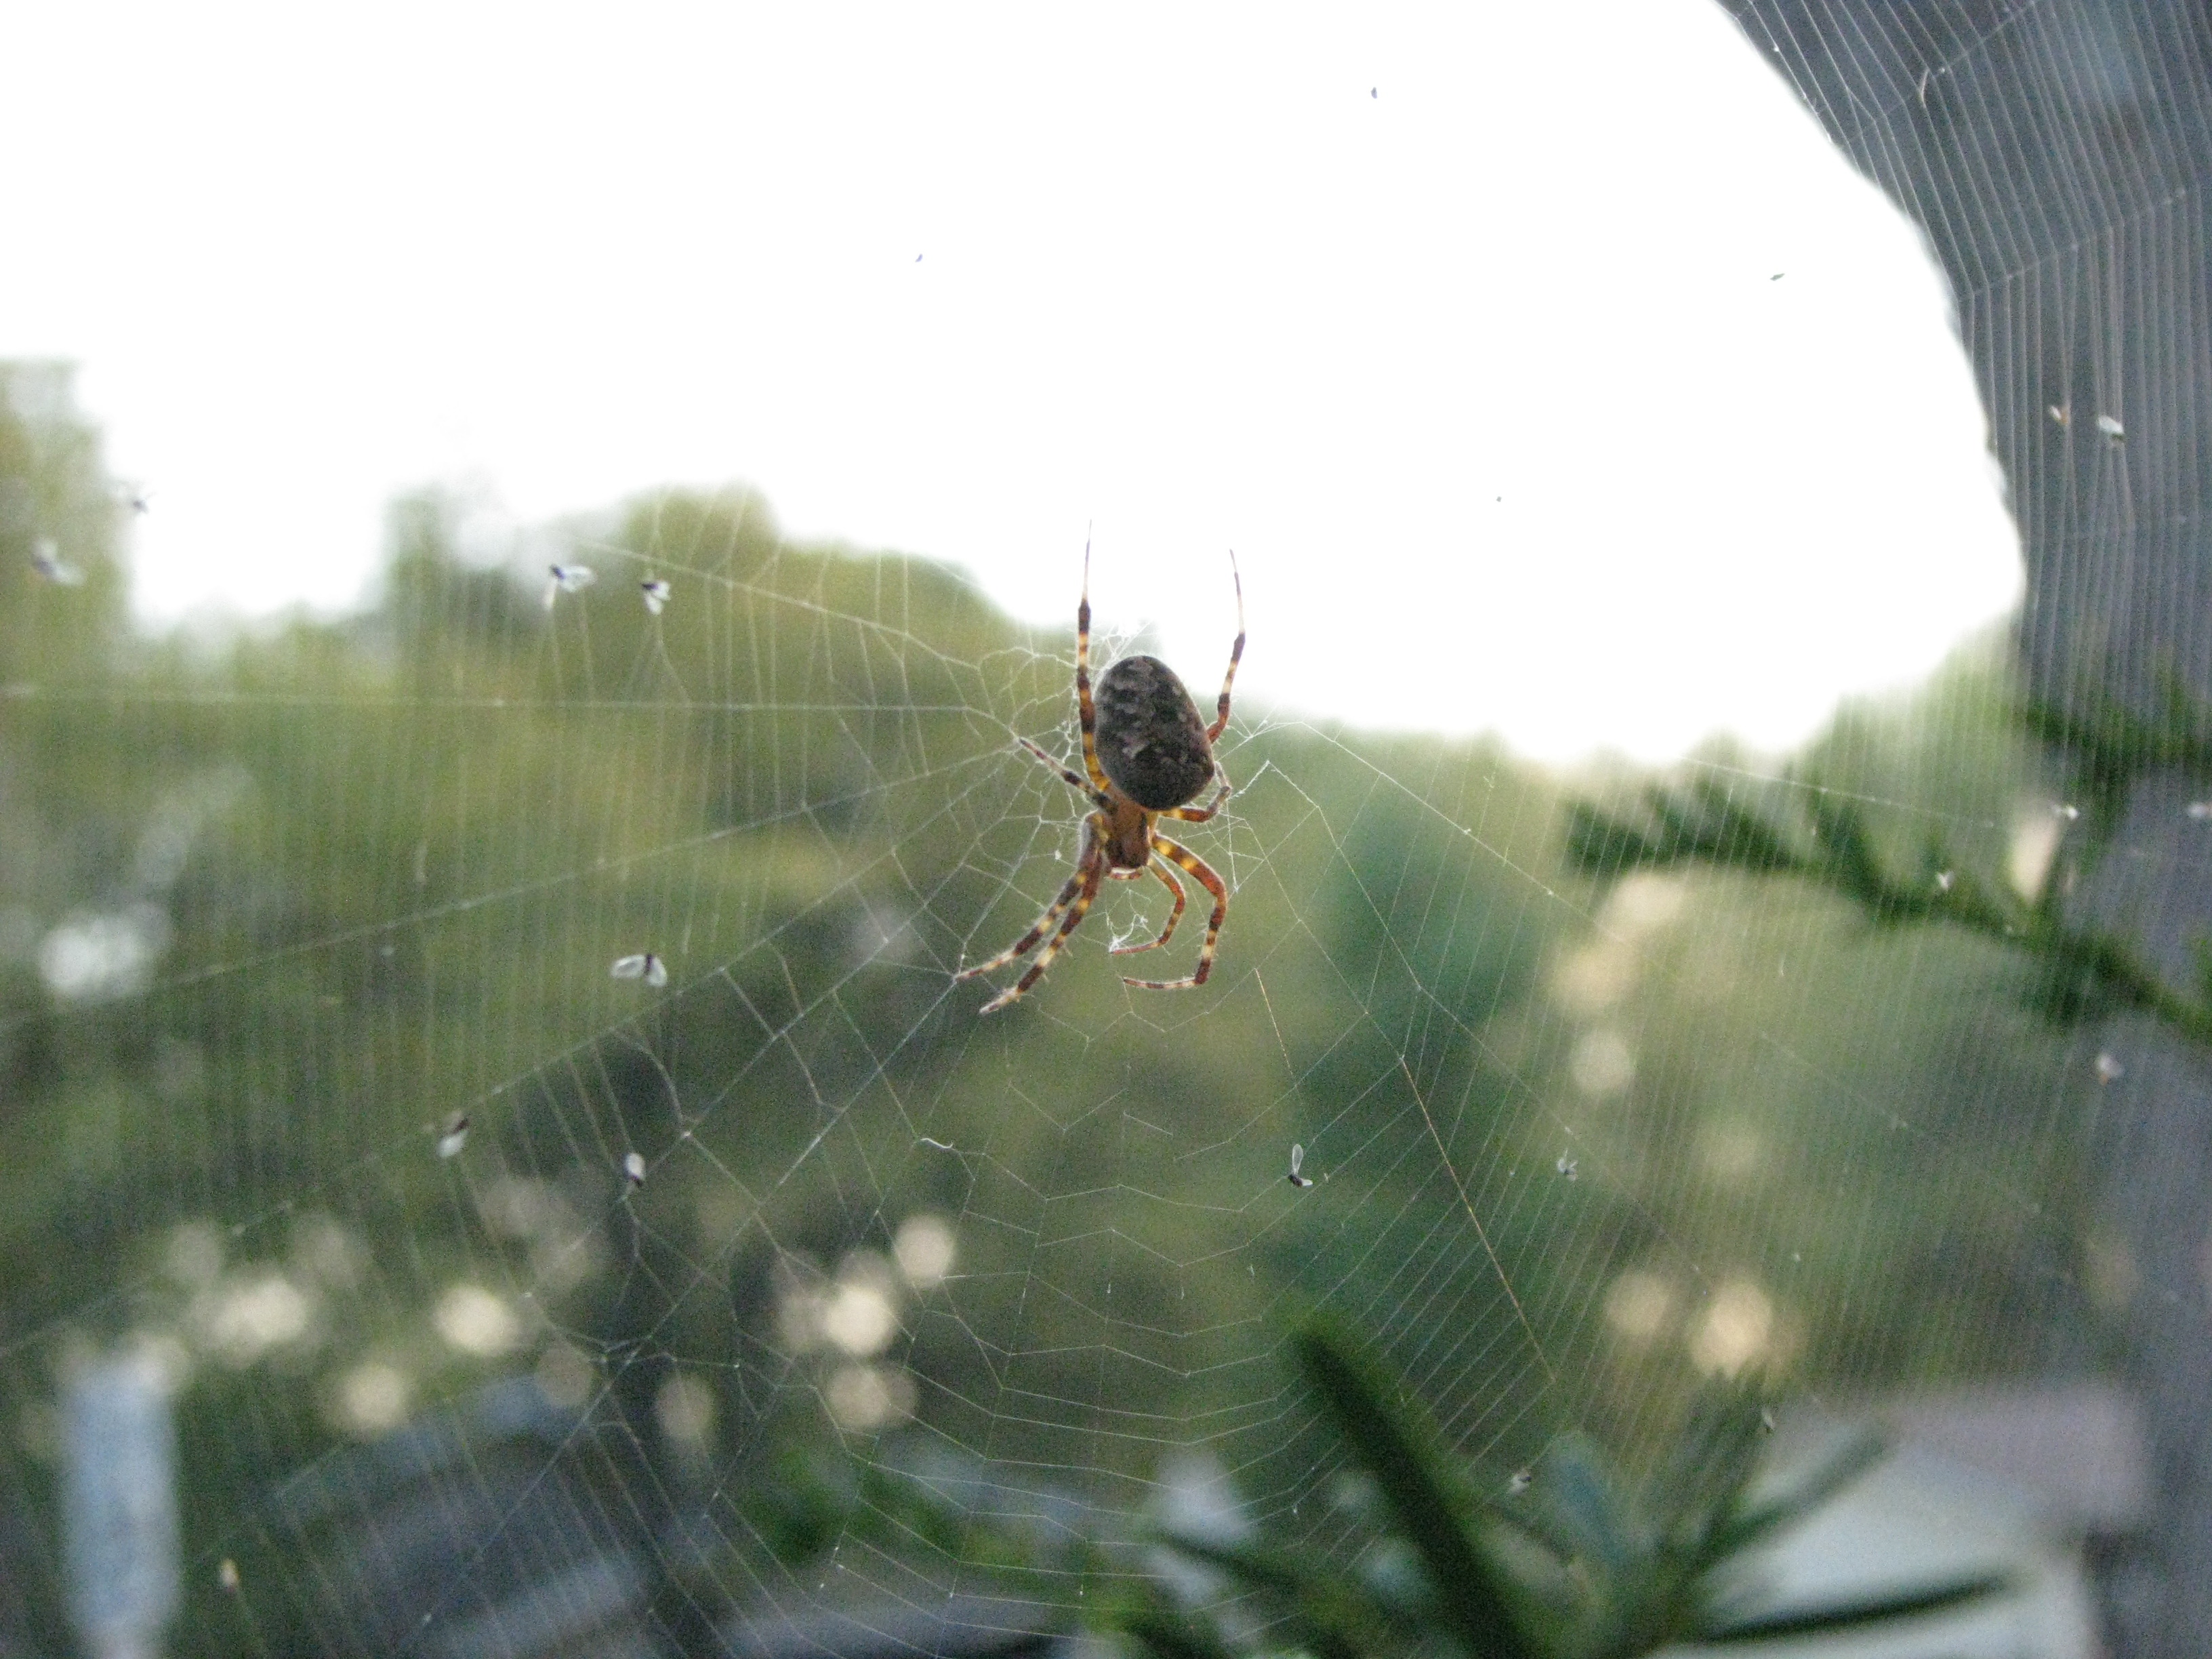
(1495, 346)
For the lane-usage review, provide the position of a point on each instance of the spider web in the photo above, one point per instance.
(508, 1303)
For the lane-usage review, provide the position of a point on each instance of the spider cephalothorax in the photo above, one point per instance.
(1147, 755)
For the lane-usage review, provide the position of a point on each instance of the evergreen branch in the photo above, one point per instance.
(2083, 973)
(1856, 1614)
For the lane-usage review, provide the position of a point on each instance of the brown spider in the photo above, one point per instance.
(1148, 756)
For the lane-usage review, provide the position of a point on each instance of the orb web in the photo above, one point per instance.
(495, 1064)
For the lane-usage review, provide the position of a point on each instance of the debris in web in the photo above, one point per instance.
(634, 1169)
(1518, 1482)
(2109, 1070)
(2111, 426)
(1568, 1167)
(2067, 811)
(456, 1136)
(2061, 413)
(226, 1576)
(47, 559)
(1297, 1162)
(1944, 878)
(645, 966)
(568, 579)
(656, 593)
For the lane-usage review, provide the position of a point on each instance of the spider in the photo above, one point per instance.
(1148, 757)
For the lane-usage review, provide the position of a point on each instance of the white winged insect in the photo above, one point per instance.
(1298, 1163)
(633, 1169)
(645, 965)
(47, 559)
(656, 593)
(1568, 1167)
(456, 1136)
(567, 579)
(2111, 426)
(2109, 1070)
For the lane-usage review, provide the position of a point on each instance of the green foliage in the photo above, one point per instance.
(1573, 1567)
(396, 853)
(1571, 1563)
(1810, 829)
(59, 515)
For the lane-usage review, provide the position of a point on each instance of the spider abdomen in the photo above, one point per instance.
(1151, 742)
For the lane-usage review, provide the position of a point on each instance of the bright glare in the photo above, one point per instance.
(1546, 369)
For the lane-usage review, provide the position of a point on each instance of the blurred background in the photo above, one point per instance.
(1635, 443)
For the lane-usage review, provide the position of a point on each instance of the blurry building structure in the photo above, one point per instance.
(2043, 1484)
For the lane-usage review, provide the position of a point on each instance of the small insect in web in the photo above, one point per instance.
(1518, 1482)
(138, 499)
(456, 1136)
(227, 1576)
(1767, 1419)
(634, 1170)
(2111, 426)
(47, 559)
(2200, 810)
(656, 593)
(2061, 413)
(2109, 1070)
(1298, 1163)
(2067, 811)
(645, 965)
(1568, 1167)
(1945, 879)
(1147, 756)
(567, 579)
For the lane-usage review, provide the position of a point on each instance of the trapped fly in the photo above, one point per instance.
(634, 1169)
(656, 593)
(1944, 878)
(567, 579)
(645, 966)
(1297, 1162)
(47, 559)
(456, 1136)
(1518, 1483)
(1568, 1167)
